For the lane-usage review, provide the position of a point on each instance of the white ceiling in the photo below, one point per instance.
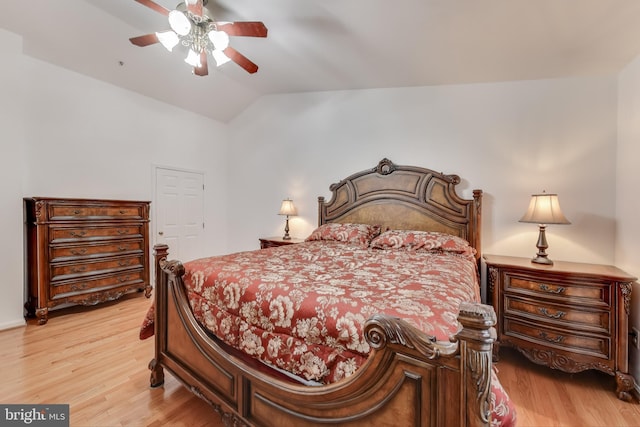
(318, 45)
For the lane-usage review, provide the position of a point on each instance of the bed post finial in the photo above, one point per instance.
(476, 348)
(385, 167)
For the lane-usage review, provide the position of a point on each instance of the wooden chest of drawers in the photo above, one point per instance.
(82, 251)
(568, 316)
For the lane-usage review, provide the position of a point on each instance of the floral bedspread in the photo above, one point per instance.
(302, 307)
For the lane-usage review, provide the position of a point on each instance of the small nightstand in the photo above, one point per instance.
(270, 242)
(568, 316)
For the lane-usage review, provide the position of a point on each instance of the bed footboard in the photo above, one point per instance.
(409, 378)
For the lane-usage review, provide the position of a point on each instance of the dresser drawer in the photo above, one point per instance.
(64, 271)
(563, 316)
(592, 345)
(95, 284)
(80, 233)
(593, 294)
(71, 252)
(78, 212)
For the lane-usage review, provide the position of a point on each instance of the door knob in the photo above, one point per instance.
(161, 233)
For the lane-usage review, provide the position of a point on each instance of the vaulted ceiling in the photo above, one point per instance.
(320, 45)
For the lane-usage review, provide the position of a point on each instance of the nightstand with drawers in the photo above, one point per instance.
(270, 242)
(568, 316)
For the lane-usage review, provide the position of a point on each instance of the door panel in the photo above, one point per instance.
(179, 210)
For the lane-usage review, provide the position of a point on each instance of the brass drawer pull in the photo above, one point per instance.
(122, 248)
(78, 252)
(78, 269)
(558, 315)
(123, 279)
(557, 339)
(77, 233)
(122, 232)
(549, 289)
(123, 263)
(77, 212)
(122, 211)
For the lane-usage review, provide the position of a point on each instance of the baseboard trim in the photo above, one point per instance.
(13, 324)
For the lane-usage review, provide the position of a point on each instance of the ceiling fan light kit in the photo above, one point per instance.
(201, 35)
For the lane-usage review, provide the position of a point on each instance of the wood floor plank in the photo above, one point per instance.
(92, 359)
(546, 397)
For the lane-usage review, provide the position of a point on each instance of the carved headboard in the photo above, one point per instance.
(404, 198)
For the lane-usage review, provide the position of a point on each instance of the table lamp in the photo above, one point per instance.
(287, 208)
(544, 209)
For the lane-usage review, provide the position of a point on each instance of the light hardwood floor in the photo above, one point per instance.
(92, 359)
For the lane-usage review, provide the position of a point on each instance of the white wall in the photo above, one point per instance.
(12, 165)
(67, 135)
(628, 182)
(509, 139)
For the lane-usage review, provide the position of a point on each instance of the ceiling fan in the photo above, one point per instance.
(192, 28)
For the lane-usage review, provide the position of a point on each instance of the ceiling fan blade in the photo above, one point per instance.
(241, 60)
(247, 29)
(145, 40)
(203, 69)
(195, 8)
(155, 6)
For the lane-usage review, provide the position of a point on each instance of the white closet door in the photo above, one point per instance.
(179, 212)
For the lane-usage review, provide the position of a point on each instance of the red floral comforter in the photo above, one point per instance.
(302, 307)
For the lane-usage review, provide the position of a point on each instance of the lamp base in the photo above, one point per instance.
(286, 230)
(541, 256)
(542, 260)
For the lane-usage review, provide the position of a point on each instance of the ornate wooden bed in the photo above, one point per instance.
(408, 378)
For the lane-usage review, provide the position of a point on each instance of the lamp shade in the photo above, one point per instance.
(544, 209)
(287, 208)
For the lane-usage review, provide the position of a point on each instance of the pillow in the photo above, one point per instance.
(357, 234)
(421, 240)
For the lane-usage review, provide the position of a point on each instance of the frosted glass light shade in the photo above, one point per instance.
(169, 39)
(193, 58)
(220, 57)
(179, 22)
(220, 39)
